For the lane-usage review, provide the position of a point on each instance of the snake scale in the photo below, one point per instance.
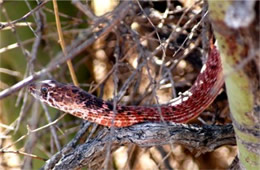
(73, 100)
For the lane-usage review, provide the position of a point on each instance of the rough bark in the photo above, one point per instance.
(236, 27)
(92, 153)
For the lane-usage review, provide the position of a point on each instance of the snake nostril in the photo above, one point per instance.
(32, 87)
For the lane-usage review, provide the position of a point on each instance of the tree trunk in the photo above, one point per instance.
(236, 27)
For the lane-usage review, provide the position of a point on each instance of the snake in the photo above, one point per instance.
(187, 106)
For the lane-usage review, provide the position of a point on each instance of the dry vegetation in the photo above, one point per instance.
(143, 53)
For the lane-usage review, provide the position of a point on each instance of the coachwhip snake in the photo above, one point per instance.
(73, 100)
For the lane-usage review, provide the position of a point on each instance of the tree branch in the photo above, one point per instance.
(204, 139)
(119, 14)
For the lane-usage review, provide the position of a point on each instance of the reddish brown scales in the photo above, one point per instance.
(79, 103)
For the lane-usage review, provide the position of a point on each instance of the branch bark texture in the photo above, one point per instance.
(91, 154)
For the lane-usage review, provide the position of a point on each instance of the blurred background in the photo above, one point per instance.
(155, 51)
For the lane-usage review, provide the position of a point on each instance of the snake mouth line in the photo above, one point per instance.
(32, 88)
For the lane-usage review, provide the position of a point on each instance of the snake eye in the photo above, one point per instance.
(44, 91)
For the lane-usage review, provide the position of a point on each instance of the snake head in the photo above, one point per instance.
(58, 95)
(65, 97)
(41, 90)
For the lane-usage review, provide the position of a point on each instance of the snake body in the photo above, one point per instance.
(190, 104)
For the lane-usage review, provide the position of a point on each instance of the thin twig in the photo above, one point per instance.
(84, 9)
(62, 43)
(42, 3)
(34, 131)
(60, 59)
(24, 154)
(52, 128)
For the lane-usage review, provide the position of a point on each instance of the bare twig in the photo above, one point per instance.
(30, 65)
(24, 154)
(143, 70)
(25, 42)
(85, 9)
(42, 3)
(34, 131)
(52, 128)
(10, 72)
(70, 146)
(62, 43)
(124, 7)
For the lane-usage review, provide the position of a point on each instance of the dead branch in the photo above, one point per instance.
(204, 139)
(120, 13)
